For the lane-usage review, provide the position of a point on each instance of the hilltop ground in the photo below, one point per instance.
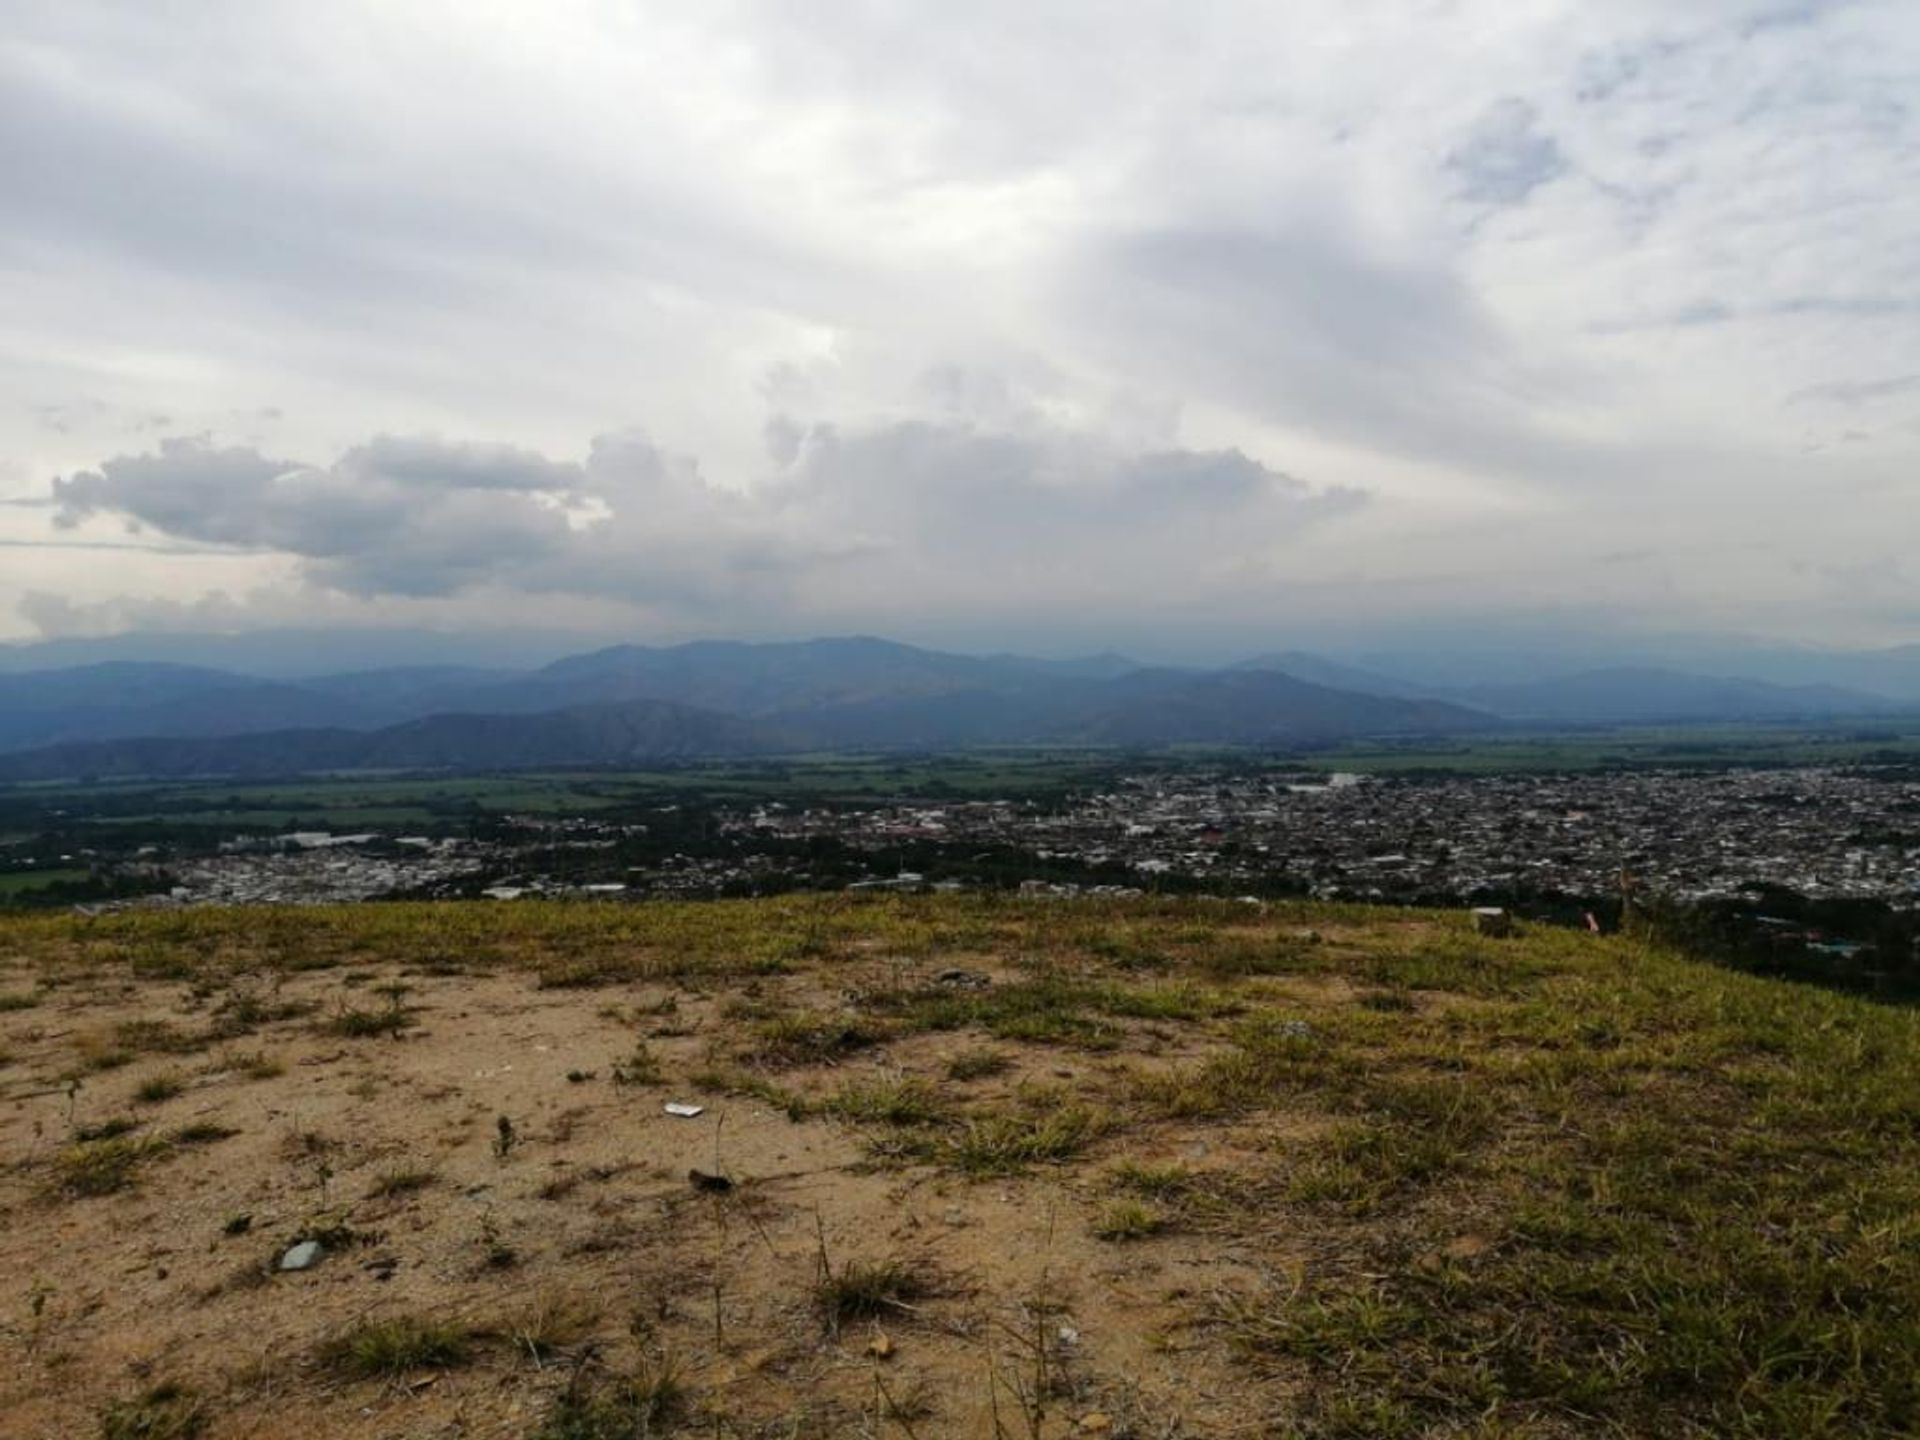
(985, 1169)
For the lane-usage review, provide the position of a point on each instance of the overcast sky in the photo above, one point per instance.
(1027, 324)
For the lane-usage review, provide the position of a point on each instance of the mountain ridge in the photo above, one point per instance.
(857, 691)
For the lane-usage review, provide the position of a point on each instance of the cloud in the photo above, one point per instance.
(1857, 392)
(1506, 156)
(407, 516)
(960, 308)
(1044, 514)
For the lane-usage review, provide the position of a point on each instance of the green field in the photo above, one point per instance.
(21, 882)
(400, 802)
(1664, 747)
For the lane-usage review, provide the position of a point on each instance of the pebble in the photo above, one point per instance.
(303, 1256)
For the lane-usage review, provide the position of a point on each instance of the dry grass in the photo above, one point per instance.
(1373, 1175)
(384, 1349)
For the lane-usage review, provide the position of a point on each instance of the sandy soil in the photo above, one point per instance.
(1033, 1324)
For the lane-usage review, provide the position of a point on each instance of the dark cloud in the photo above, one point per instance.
(410, 517)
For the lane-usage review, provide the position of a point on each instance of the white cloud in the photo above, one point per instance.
(947, 522)
(1557, 278)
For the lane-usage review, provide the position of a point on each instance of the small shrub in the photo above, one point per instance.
(18, 1001)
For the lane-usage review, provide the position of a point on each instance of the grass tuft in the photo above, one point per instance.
(1005, 1143)
(629, 1407)
(1129, 1220)
(164, 1412)
(103, 1167)
(158, 1088)
(407, 1180)
(860, 1290)
(382, 1349)
(978, 1064)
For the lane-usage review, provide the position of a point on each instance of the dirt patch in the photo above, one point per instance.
(478, 1149)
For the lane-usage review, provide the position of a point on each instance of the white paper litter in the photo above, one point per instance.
(683, 1110)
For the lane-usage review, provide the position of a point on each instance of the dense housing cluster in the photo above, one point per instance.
(1824, 833)
(1682, 834)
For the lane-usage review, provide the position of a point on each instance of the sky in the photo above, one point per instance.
(1177, 328)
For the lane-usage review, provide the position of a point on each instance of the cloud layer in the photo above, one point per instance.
(921, 520)
(977, 321)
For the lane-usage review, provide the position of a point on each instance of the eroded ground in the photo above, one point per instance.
(963, 1169)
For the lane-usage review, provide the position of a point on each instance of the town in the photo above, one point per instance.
(1687, 836)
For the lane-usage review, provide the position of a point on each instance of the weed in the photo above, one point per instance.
(629, 1407)
(407, 1180)
(641, 1067)
(1001, 1144)
(978, 1064)
(862, 1289)
(553, 1322)
(251, 1065)
(155, 1037)
(729, 1080)
(381, 1349)
(165, 1412)
(808, 1039)
(1392, 1002)
(158, 1088)
(500, 1255)
(107, 1129)
(1161, 1181)
(202, 1132)
(907, 1101)
(1129, 1220)
(357, 1023)
(104, 1167)
(19, 1000)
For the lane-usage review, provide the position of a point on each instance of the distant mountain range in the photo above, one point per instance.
(628, 704)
